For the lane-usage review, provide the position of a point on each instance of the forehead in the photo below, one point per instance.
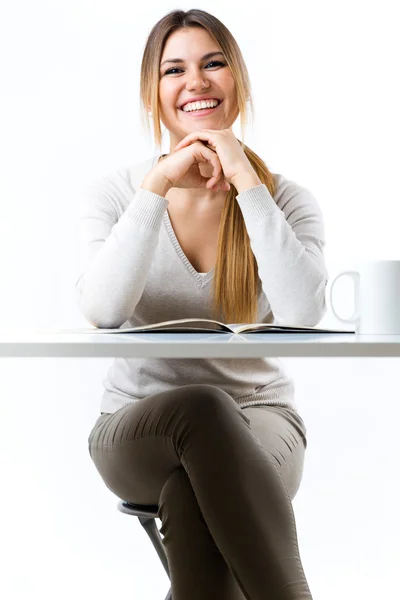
(189, 41)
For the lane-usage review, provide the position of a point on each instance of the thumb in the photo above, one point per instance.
(223, 186)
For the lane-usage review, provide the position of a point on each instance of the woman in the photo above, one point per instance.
(217, 443)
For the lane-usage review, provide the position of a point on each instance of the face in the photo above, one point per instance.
(194, 77)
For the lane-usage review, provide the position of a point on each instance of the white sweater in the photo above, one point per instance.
(134, 272)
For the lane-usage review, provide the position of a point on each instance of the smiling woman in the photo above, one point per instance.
(216, 444)
(190, 58)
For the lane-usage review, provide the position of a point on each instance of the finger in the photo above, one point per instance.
(211, 157)
(218, 177)
(202, 135)
(186, 140)
(217, 171)
(224, 185)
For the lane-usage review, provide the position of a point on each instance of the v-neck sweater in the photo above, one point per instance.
(134, 272)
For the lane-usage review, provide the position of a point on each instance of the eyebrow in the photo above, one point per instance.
(180, 60)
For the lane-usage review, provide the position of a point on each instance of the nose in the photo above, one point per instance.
(196, 80)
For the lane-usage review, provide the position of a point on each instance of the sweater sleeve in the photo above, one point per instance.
(288, 244)
(119, 232)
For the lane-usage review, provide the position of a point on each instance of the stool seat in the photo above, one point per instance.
(139, 510)
(147, 514)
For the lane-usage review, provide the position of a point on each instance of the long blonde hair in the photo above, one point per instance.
(236, 281)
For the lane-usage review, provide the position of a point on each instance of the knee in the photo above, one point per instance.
(176, 486)
(204, 399)
(176, 496)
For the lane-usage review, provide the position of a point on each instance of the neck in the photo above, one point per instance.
(197, 200)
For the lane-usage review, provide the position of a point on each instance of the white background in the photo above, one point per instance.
(326, 93)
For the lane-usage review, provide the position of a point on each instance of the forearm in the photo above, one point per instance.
(116, 250)
(289, 252)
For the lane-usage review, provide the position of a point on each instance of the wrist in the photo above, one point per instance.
(156, 184)
(245, 181)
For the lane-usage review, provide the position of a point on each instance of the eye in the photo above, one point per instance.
(213, 62)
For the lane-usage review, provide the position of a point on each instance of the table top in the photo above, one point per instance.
(25, 343)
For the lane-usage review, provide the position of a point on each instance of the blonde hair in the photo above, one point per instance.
(236, 282)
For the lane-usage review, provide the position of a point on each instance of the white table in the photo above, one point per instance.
(22, 344)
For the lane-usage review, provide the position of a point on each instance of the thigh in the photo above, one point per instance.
(134, 452)
(137, 448)
(132, 449)
(282, 433)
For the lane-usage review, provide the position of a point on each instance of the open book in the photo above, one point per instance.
(207, 326)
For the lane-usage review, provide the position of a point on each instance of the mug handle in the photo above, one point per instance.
(355, 276)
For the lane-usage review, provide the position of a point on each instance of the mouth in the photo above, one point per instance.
(202, 111)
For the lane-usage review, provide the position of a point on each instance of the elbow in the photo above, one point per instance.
(100, 322)
(313, 318)
(95, 313)
(96, 316)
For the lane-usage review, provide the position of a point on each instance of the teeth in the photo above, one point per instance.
(199, 105)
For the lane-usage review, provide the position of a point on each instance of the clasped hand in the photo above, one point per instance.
(223, 142)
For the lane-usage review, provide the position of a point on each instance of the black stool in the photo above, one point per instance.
(147, 516)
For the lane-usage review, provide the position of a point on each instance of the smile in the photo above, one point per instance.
(201, 111)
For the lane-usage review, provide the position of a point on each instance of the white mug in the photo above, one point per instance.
(376, 297)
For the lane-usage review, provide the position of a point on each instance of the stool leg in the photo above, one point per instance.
(153, 533)
(169, 595)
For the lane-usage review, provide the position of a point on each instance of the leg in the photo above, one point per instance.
(243, 499)
(198, 569)
(237, 484)
(134, 453)
(282, 433)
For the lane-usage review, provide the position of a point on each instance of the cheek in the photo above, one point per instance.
(168, 89)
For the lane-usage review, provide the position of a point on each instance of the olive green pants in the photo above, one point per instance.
(223, 478)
